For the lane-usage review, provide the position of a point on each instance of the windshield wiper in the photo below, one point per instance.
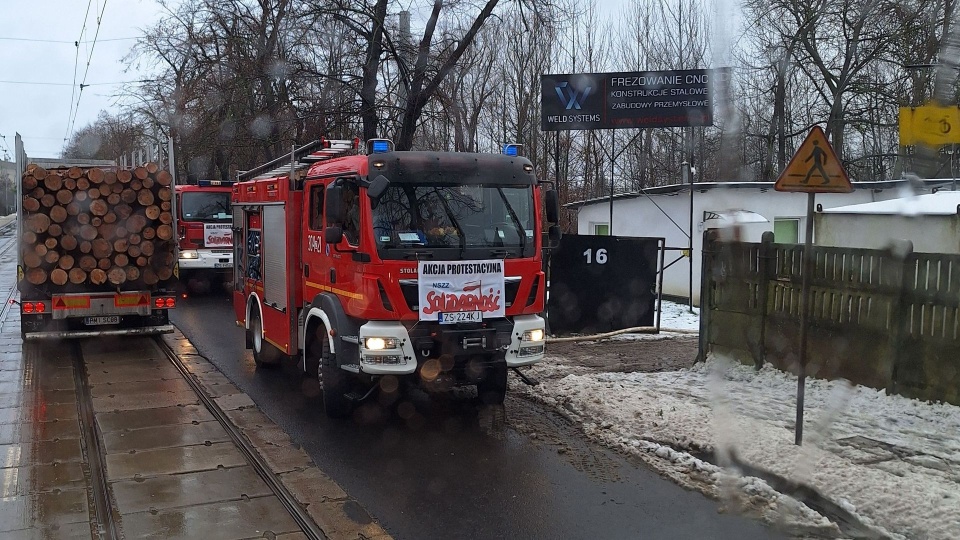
(516, 222)
(453, 220)
(418, 255)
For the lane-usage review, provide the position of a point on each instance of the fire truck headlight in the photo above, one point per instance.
(379, 344)
(189, 254)
(533, 335)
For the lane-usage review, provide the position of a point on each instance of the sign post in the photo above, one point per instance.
(813, 169)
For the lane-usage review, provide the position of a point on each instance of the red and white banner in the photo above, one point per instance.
(461, 287)
(217, 235)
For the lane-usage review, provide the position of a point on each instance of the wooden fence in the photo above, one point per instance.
(886, 319)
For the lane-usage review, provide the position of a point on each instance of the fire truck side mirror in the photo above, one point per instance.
(333, 234)
(377, 188)
(555, 235)
(333, 204)
(553, 206)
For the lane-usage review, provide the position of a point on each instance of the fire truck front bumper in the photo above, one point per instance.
(206, 259)
(386, 349)
(526, 341)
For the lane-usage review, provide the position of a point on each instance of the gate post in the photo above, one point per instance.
(707, 254)
(903, 252)
(767, 271)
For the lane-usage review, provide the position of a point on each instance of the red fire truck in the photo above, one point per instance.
(205, 234)
(384, 268)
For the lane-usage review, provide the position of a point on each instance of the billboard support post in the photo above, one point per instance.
(612, 146)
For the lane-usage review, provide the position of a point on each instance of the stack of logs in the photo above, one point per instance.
(94, 226)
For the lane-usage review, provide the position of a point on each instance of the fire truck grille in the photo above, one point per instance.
(411, 294)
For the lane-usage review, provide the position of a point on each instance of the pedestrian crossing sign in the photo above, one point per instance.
(814, 168)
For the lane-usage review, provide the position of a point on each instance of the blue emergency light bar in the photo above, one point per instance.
(512, 149)
(214, 183)
(379, 146)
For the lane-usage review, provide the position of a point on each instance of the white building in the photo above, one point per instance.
(665, 212)
(931, 221)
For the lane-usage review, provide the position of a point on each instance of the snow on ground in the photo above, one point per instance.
(675, 316)
(891, 461)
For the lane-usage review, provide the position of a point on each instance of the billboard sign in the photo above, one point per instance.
(677, 98)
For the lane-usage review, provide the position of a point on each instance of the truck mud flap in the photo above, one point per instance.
(77, 334)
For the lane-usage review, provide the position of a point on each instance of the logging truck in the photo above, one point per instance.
(205, 235)
(378, 270)
(97, 254)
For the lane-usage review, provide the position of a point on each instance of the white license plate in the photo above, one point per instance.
(461, 317)
(222, 265)
(92, 321)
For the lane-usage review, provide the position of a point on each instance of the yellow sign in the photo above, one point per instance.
(931, 125)
(814, 168)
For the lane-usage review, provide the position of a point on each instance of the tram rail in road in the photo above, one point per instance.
(289, 502)
(159, 455)
(107, 451)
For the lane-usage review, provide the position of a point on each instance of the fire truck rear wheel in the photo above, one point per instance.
(264, 354)
(335, 383)
(492, 390)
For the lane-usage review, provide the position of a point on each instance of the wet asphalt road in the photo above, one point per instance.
(448, 472)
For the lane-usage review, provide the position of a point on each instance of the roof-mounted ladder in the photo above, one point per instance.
(301, 158)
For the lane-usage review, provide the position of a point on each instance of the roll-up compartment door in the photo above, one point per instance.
(275, 257)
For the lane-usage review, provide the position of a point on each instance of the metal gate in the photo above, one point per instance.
(603, 283)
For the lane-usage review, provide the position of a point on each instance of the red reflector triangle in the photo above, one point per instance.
(58, 303)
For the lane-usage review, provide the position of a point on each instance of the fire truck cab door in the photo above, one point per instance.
(316, 262)
(346, 270)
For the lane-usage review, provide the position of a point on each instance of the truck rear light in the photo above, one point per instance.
(40, 307)
(28, 307)
(162, 302)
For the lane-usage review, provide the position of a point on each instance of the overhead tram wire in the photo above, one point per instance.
(43, 83)
(64, 41)
(93, 45)
(76, 64)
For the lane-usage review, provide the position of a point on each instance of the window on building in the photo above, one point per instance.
(601, 229)
(786, 230)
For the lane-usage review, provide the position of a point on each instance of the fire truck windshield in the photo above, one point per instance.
(205, 206)
(454, 220)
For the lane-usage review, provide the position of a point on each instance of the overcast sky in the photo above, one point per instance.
(40, 68)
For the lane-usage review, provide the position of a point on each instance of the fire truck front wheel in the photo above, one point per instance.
(264, 354)
(335, 384)
(492, 390)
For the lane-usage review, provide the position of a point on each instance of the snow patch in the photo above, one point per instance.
(892, 462)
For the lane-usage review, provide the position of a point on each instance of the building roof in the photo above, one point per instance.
(675, 189)
(941, 203)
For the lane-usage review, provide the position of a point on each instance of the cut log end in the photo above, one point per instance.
(117, 276)
(59, 277)
(98, 276)
(36, 276)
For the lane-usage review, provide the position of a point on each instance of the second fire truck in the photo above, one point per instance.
(205, 234)
(382, 268)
